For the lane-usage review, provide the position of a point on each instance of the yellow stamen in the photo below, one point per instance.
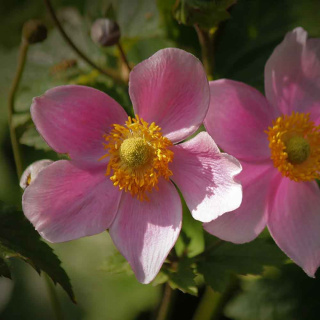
(138, 156)
(294, 142)
(29, 180)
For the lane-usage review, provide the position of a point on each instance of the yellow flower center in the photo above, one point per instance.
(138, 156)
(294, 142)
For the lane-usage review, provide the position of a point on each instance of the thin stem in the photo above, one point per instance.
(206, 40)
(206, 305)
(108, 72)
(213, 303)
(166, 303)
(53, 298)
(11, 99)
(123, 57)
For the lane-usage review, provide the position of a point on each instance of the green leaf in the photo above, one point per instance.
(160, 278)
(249, 258)
(116, 263)
(18, 239)
(4, 269)
(21, 119)
(32, 138)
(182, 277)
(191, 239)
(247, 40)
(287, 293)
(138, 18)
(206, 14)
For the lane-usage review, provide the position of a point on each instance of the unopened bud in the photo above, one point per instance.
(34, 31)
(30, 174)
(105, 32)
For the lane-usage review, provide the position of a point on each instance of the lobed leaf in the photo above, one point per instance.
(206, 14)
(249, 258)
(182, 277)
(18, 239)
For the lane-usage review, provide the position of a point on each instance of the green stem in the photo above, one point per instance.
(206, 305)
(11, 99)
(53, 298)
(206, 40)
(213, 303)
(108, 72)
(166, 303)
(123, 57)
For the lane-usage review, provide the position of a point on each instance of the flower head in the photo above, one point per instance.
(277, 140)
(138, 156)
(121, 173)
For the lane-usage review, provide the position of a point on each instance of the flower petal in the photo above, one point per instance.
(72, 119)
(246, 223)
(294, 222)
(237, 118)
(171, 89)
(66, 202)
(32, 171)
(145, 232)
(205, 177)
(292, 75)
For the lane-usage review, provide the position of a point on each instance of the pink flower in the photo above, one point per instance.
(121, 170)
(277, 140)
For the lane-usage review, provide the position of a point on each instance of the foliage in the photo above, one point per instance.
(226, 259)
(287, 293)
(18, 239)
(206, 14)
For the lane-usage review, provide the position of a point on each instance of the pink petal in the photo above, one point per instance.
(171, 89)
(73, 119)
(32, 171)
(205, 177)
(294, 222)
(145, 232)
(66, 202)
(292, 75)
(246, 223)
(237, 118)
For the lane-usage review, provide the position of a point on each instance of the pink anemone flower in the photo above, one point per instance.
(121, 173)
(277, 140)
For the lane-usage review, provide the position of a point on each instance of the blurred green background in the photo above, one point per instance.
(243, 44)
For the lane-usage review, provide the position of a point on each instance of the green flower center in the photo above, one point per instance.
(135, 152)
(298, 149)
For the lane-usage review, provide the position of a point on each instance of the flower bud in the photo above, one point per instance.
(34, 31)
(30, 174)
(105, 32)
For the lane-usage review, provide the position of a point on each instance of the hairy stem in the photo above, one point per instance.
(108, 72)
(166, 303)
(11, 99)
(123, 57)
(206, 40)
(206, 305)
(213, 303)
